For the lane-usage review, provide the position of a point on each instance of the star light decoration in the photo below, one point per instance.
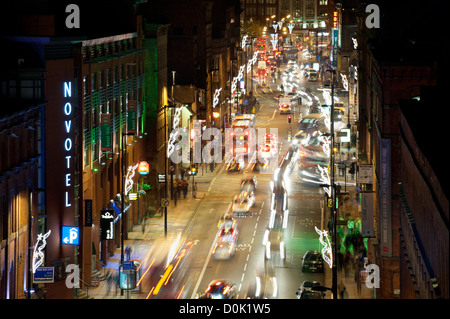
(129, 178)
(344, 81)
(38, 255)
(216, 97)
(326, 250)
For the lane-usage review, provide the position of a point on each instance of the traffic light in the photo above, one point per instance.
(289, 119)
(194, 170)
(352, 169)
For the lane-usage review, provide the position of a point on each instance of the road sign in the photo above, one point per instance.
(344, 134)
(165, 202)
(162, 177)
(44, 275)
(128, 266)
(106, 224)
(365, 173)
(70, 235)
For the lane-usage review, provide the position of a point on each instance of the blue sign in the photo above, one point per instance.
(44, 275)
(128, 265)
(70, 235)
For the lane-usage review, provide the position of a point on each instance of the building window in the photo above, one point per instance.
(94, 82)
(85, 85)
(323, 2)
(271, 11)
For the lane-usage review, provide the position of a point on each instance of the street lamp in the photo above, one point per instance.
(122, 213)
(333, 188)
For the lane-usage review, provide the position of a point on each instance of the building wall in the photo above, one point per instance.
(61, 141)
(382, 85)
(424, 213)
(18, 175)
(109, 81)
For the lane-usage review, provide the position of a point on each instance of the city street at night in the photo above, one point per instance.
(261, 152)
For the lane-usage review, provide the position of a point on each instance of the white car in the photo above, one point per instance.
(243, 202)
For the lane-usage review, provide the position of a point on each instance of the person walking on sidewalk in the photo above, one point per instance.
(128, 251)
(178, 188)
(184, 186)
(109, 282)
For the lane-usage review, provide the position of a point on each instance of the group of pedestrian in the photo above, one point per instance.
(178, 187)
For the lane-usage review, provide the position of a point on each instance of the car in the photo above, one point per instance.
(309, 124)
(338, 114)
(313, 77)
(220, 289)
(243, 202)
(260, 165)
(235, 165)
(226, 243)
(271, 138)
(310, 295)
(307, 285)
(312, 261)
(227, 221)
(266, 284)
(266, 150)
(285, 109)
(308, 72)
(249, 184)
(274, 244)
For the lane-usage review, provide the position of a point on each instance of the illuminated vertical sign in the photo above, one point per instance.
(335, 20)
(68, 143)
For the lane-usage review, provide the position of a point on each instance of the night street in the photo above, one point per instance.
(261, 152)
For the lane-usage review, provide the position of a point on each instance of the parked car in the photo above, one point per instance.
(312, 261)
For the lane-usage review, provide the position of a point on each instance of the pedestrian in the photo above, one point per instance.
(109, 282)
(344, 293)
(184, 185)
(178, 188)
(128, 252)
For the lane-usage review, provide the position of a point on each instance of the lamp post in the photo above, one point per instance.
(122, 213)
(333, 188)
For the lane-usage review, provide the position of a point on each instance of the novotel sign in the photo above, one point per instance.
(68, 143)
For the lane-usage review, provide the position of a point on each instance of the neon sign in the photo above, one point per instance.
(68, 140)
(326, 250)
(38, 255)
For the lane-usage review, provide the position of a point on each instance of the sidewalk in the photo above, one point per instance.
(348, 208)
(148, 240)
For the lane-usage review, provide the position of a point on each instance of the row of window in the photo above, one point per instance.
(108, 77)
(109, 48)
(297, 3)
(22, 89)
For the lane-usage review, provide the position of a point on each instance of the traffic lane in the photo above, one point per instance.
(237, 267)
(304, 214)
(203, 233)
